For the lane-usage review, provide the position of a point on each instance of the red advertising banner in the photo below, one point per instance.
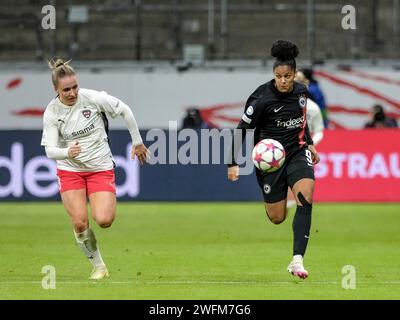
(359, 166)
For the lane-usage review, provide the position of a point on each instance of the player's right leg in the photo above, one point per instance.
(73, 195)
(276, 211)
(274, 189)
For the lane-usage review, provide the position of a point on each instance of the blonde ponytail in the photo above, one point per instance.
(60, 69)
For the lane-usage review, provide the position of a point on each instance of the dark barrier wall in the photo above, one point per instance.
(356, 166)
(26, 174)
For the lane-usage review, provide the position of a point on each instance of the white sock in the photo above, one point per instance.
(298, 257)
(86, 240)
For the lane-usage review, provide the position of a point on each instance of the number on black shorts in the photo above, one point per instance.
(309, 157)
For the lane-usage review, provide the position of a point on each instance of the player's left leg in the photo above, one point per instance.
(101, 192)
(103, 205)
(303, 191)
(301, 181)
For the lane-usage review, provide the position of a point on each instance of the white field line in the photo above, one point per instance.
(197, 282)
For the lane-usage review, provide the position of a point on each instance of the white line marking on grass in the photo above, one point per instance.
(200, 282)
(69, 282)
(267, 283)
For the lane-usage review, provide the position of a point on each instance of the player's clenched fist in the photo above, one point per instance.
(74, 150)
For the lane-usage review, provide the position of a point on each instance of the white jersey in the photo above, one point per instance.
(64, 125)
(315, 121)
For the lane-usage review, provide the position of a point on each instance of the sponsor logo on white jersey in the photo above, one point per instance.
(79, 132)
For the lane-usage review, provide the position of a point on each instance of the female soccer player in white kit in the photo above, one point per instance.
(74, 134)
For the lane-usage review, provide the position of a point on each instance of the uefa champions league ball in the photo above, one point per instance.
(268, 155)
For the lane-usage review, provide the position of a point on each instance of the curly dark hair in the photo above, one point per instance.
(285, 53)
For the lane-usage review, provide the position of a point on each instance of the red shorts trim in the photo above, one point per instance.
(91, 181)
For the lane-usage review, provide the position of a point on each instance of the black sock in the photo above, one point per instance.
(301, 229)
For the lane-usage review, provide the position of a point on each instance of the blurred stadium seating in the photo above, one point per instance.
(160, 30)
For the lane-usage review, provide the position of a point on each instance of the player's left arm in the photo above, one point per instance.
(138, 148)
(114, 107)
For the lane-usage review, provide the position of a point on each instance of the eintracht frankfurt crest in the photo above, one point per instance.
(302, 101)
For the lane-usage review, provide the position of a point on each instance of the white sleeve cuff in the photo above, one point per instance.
(56, 153)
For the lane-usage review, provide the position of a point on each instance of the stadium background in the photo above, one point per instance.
(163, 57)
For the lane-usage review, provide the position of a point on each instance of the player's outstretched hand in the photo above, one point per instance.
(141, 152)
(315, 156)
(233, 173)
(74, 150)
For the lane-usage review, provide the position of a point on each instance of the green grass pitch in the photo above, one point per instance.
(201, 251)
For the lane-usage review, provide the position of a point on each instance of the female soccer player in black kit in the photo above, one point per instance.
(277, 110)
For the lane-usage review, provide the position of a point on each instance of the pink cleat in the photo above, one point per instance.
(296, 267)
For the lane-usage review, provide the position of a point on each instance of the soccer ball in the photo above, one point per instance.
(268, 155)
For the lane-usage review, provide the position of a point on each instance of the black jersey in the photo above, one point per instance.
(277, 115)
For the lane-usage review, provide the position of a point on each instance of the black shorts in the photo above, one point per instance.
(274, 185)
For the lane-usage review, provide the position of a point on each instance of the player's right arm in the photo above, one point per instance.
(50, 140)
(249, 120)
